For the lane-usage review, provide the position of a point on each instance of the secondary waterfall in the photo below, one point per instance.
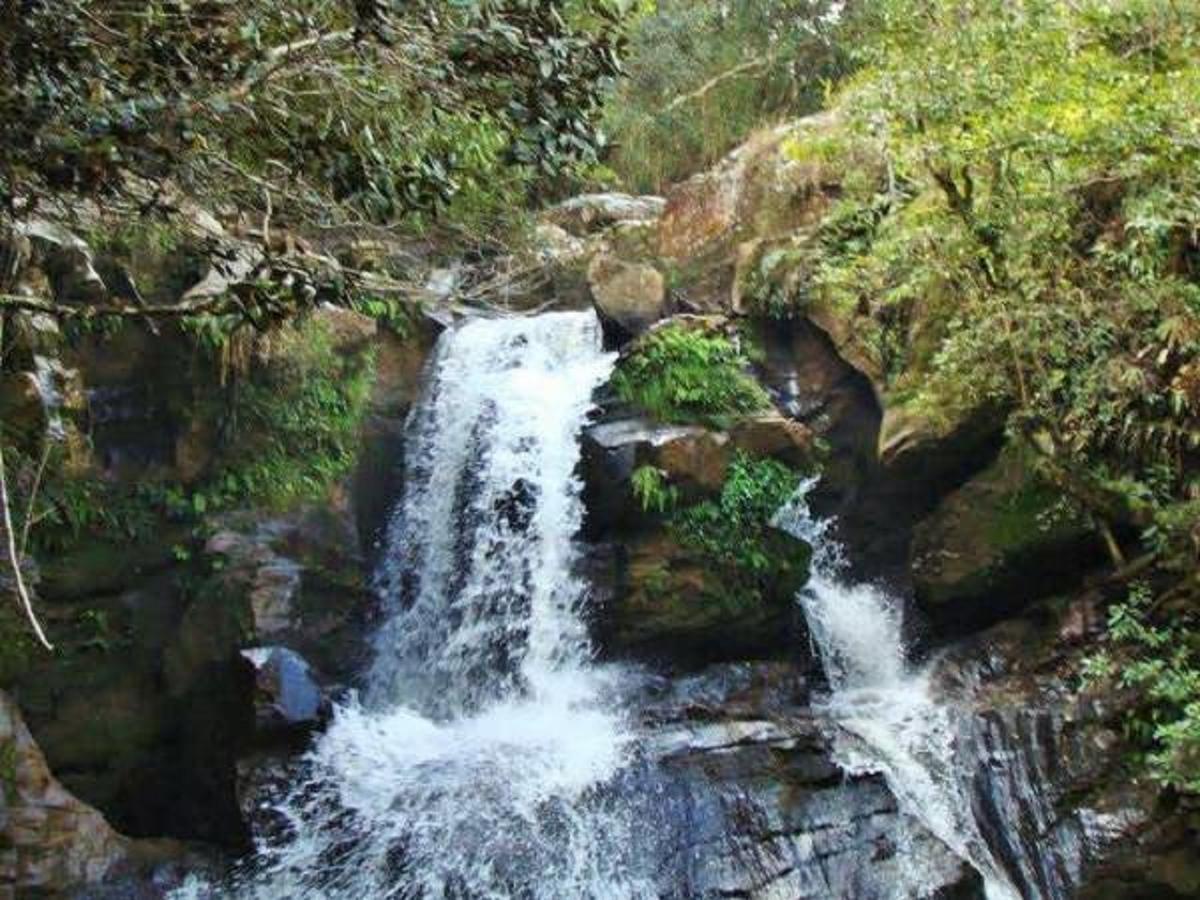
(888, 718)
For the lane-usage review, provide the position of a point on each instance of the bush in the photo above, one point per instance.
(681, 374)
(734, 531)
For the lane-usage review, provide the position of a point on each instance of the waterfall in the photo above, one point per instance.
(473, 764)
(490, 756)
(887, 718)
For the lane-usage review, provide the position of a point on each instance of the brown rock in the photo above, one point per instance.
(775, 436)
(53, 841)
(629, 297)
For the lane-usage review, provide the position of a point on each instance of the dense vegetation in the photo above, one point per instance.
(320, 110)
(702, 75)
(1028, 244)
(1041, 224)
(680, 373)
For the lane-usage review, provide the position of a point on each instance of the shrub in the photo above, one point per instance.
(734, 530)
(680, 374)
(652, 491)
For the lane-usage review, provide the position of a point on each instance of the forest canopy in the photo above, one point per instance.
(335, 110)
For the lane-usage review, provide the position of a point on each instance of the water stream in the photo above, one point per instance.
(490, 755)
(887, 716)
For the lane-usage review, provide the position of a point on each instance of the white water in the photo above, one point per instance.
(490, 756)
(889, 721)
(473, 765)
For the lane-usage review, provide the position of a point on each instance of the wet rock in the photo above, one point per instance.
(749, 801)
(934, 458)
(628, 297)
(31, 335)
(588, 213)
(287, 696)
(516, 508)
(51, 840)
(227, 265)
(1047, 771)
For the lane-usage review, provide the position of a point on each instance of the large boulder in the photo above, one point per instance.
(51, 840)
(672, 605)
(782, 179)
(628, 297)
(995, 545)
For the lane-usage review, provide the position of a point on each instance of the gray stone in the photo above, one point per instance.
(589, 213)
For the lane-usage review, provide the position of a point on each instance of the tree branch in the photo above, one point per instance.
(14, 560)
(718, 80)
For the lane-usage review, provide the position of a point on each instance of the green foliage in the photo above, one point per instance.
(334, 110)
(295, 427)
(702, 75)
(397, 315)
(734, 531)
(1038, 252)
(293, 430)
(1161, 662)
(652, 491)
(682, 374)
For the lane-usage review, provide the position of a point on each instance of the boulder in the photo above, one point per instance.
(67, 261)
(287, 696)
(669, 604)
(51, 841)
(628, 297)
(782, 179)
(996, 544)
(775, 436)
(589, 213)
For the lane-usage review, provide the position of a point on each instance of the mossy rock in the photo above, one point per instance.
(998, 543)
(673, 606)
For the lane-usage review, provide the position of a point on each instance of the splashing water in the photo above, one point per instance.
(889, 721)
(475, 762)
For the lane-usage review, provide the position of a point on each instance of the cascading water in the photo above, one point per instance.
(471, 766)
(888, 719)
(490, 756)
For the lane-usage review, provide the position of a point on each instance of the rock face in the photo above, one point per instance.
(995, 545)
(148, 706)
(51, 841)
(667, 603)
(755, 807)
(1048, 775)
